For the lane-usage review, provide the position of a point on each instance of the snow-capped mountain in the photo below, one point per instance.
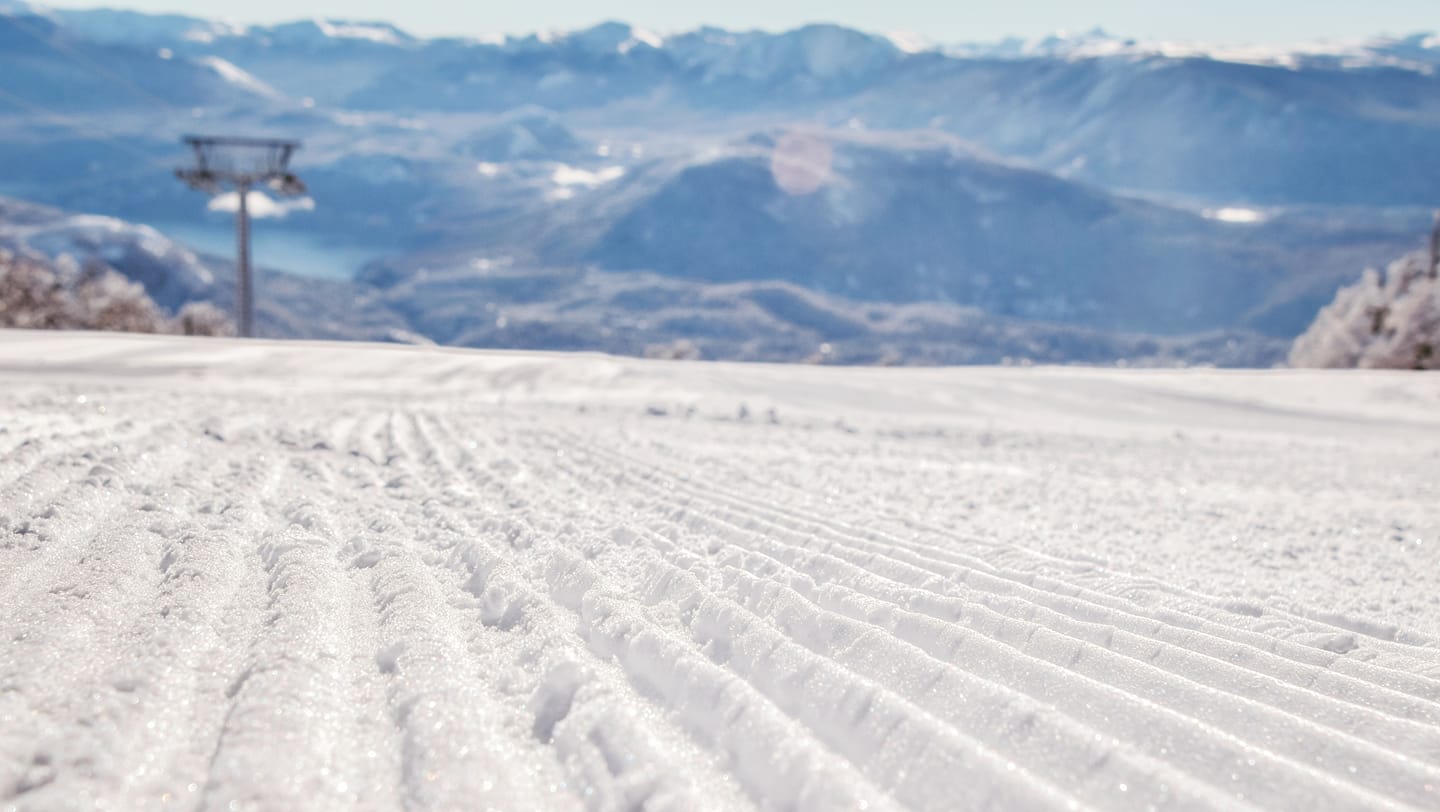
(1061, 44)
(819, 52)
(322, 34)
(114, 26)
(52, 69)
(1414, 52)
(124, 27)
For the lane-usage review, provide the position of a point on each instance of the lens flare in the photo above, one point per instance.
(801, 163)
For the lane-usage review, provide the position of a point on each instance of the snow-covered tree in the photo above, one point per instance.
(105, 300)
(203, 319)
(1387, 320)
(66, 296)
(32, 296)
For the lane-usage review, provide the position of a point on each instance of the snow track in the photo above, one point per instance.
(236, 575)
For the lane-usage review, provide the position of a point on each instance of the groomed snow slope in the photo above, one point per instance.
(245, 575)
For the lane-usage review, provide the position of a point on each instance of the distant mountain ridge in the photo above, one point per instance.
(1418, 50)
(1352, 125)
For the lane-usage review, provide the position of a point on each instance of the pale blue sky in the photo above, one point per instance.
(1221, 21)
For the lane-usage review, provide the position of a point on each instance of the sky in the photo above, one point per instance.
(1218, 21)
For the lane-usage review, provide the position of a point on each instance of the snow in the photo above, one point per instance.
(821, 51)
(1418, 52)
(260, 205)
(910, 42)
(605, 39)
(564, 175)
(381, 33)
(239, 77)
(255, 575)
(567, 180)
(1236, 214)
(639, 37)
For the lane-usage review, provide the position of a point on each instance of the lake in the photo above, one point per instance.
(271, 246)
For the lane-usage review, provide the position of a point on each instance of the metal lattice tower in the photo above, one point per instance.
(227, 162)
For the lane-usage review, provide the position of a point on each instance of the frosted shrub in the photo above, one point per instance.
(32, 296)
(108, 301)
(678, 350)
(203, 319)
(1384, 321)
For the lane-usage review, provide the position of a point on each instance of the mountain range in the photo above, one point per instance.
(1084, 183)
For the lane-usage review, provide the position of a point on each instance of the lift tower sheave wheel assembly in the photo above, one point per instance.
(242, 164)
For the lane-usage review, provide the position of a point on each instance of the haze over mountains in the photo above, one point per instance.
(628, 189)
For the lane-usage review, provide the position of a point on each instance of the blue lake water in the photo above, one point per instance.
(272, 246)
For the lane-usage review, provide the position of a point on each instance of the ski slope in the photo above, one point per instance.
(278, 576)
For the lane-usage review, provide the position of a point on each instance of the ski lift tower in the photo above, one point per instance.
(1435, 247)
(242, 164)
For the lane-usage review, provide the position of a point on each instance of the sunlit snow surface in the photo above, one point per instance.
(235, 75)
(1236, 214)
(260, 205)
(285, 576)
